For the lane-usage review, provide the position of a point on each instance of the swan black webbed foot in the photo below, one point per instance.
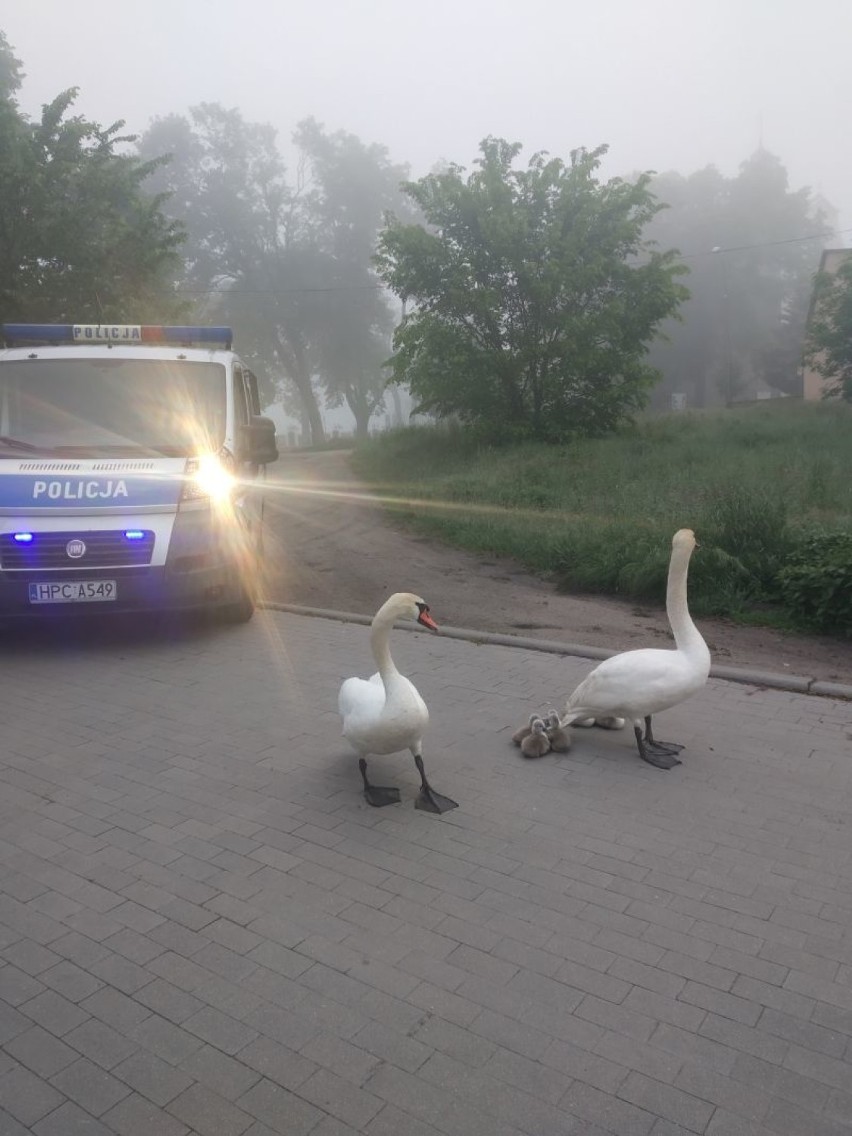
(654, 746)
(661, 759)
(428, 800)
(377, 795)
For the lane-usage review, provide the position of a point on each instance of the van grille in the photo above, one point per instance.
(50, 550)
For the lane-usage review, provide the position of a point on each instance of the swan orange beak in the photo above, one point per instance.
(426, 619)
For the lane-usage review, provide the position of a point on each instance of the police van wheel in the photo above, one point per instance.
(241, 610)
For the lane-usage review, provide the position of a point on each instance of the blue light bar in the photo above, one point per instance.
(23, 538)
(134, 534)
(119, 334)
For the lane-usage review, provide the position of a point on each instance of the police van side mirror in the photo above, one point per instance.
(257, 441)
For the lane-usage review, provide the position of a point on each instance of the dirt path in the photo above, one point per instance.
(332, 546)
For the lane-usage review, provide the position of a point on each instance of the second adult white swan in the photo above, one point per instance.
(637, 684)
(386, 714)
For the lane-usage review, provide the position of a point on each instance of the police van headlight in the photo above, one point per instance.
(208, 478)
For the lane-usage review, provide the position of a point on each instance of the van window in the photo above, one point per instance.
(254, 397)
(105, 404)
(240, 404)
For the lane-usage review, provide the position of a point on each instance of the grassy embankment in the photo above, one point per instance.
(599, 514)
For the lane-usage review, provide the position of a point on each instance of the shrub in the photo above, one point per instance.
(636, 563)
(588, 557)
(597, 515)
(751, 527)
(816, 582)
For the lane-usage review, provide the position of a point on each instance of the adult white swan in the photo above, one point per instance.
(637, 684)
(386, 714)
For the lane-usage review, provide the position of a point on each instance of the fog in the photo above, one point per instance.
(666, 84)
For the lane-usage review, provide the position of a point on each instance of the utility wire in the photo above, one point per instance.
(279, 291)
(379, 287)
(764, 244)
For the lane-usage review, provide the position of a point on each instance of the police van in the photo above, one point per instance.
(132, 470)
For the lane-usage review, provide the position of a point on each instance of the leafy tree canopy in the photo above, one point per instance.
(79, 238)
(750, 276)
(352, 186)
(535, 296)
(11, 75)
(286, 261)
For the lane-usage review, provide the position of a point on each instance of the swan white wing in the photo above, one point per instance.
(635, 683)
(380, 721)
(361, 704)
(358, 695)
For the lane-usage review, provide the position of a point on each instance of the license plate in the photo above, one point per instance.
(76, 591)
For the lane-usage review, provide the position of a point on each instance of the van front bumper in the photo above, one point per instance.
(136, 590)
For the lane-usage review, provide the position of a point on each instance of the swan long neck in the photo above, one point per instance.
(380, 643)
(686, 635)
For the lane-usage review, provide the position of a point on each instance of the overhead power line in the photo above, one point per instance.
(764, 244)
(715, 251)
(279, 291)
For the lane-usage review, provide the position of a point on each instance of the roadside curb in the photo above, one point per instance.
(798, 684)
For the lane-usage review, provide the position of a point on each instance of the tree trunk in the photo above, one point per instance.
(397, 405)
(309, 400)
(297, 369)
(537, 385)
(362, 424)
(305, 426)
(361, 412)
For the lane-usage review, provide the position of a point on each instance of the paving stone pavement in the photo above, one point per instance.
(205, 929)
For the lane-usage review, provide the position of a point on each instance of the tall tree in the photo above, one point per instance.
(80, 239)
(749, 279)
(16, 169)
(352, 187)
(246, 254)
(290, 263)
(536, 295)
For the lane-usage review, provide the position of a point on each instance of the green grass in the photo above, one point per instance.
(599, 514)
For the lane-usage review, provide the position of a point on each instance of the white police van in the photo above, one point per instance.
(132, 468)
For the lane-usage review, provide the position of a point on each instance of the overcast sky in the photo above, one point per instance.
(668, 84)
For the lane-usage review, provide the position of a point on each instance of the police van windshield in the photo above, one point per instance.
(115, 405)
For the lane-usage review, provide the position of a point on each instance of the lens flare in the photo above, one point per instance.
(212, 477)
(208, 478)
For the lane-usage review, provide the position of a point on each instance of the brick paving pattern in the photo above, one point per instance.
(205, 929)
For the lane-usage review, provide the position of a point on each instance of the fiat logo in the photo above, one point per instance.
(75, 549)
